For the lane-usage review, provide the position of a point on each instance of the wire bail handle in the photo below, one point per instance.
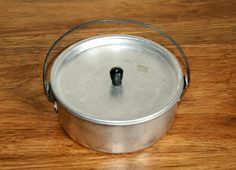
(46, 82)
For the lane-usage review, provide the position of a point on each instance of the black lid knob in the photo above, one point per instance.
(116, 74)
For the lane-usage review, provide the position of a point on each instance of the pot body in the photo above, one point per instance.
(116, 138)
(152, 63)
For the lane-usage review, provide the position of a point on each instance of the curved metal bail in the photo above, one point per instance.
(46, 83)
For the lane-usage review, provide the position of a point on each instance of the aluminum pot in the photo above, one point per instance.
(116, 93)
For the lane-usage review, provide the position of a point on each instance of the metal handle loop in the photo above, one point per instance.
(46, 83)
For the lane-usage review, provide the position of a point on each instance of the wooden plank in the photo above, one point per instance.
(203, 135)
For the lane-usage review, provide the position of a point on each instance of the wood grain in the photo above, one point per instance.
(204, 132)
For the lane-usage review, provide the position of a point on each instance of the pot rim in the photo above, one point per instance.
(171, 103)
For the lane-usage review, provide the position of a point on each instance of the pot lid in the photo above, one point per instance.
(116, 79)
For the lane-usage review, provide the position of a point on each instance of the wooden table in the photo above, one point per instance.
(203, 135)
